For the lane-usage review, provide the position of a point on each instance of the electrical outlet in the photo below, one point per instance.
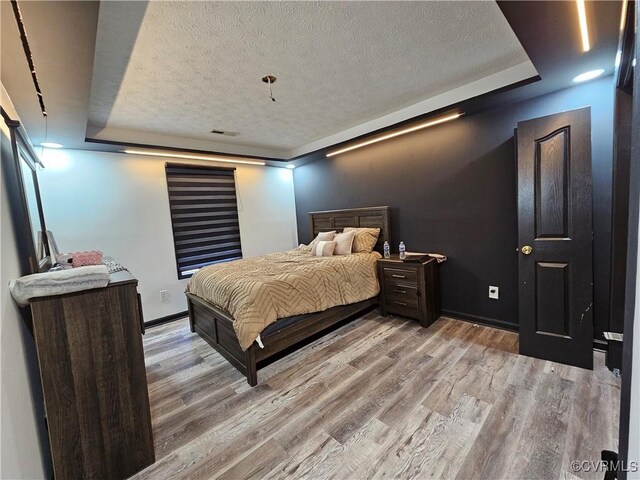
(494, 292)
(164, 296)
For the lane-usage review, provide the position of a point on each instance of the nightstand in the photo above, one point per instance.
(410, 289)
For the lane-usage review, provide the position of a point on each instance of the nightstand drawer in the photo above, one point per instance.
(403, 293)
(405, 300)
(396, 307)
(396, 275)
(400, 288)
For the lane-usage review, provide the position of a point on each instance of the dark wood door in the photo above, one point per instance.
(556, 237)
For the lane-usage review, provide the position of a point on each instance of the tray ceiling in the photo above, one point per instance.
(181, 69)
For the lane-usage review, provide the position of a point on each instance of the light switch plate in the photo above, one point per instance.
(494, 292)
(164, 296)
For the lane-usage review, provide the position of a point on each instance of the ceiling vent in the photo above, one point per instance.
(222, 132)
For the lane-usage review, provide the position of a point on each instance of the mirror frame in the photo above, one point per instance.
(31, 260)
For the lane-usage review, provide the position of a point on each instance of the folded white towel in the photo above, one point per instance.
(439, 257)
(58, 282)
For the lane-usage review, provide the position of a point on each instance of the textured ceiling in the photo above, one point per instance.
(60, 55)
(184, 68)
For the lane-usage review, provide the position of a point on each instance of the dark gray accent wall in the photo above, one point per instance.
(452, 190)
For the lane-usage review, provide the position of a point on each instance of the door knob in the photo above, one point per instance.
(527, 250)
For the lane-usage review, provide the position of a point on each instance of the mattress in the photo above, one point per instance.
(258, 291)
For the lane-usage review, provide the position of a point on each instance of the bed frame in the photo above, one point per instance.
(216, 326)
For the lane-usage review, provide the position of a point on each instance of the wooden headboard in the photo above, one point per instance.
(372, 217)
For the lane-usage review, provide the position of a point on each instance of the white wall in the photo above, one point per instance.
(118, 203)
(22, 433)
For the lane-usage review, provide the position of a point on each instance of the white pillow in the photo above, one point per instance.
(323, 249)
(323, 237)
(344, 241)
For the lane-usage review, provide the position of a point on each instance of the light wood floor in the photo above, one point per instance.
(378, 398)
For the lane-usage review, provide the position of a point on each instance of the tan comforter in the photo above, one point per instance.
(257, 291)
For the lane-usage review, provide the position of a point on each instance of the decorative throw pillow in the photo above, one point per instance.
(365, 239)
(323, 249)
(344, 243)
(323, 237)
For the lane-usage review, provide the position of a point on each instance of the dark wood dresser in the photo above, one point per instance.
(410, 289)
(94, 381)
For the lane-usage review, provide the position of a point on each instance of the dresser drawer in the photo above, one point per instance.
(397, 275)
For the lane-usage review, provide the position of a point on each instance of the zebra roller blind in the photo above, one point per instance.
(204, 216)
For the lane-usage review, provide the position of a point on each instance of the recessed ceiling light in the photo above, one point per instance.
(583, 77)
(291, 167)
(51, 145)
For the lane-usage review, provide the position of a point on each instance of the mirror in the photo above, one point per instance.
(19, 165)
(29, 184)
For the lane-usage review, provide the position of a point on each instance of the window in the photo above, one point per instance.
(204, 216)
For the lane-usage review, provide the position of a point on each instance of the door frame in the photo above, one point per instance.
(631, 302)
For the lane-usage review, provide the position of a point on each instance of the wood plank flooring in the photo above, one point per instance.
(378, 398)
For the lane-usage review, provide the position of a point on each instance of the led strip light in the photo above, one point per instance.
(582, 17)
(396, 134)
(192, 157)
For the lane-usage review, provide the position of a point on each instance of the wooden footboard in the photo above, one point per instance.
(216, 327)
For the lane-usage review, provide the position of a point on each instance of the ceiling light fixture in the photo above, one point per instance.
(270, 79)
(193, 157)
(583, 77)
(396, 134)
(51, 145)
(291, 167)
(582, 17)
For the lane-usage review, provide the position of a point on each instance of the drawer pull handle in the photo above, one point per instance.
(398, 276)
(400, 303)
(400, 291)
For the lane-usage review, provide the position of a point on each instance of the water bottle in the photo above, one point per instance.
(387, 250)
(402, 250)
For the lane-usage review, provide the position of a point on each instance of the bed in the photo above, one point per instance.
(215, 324)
